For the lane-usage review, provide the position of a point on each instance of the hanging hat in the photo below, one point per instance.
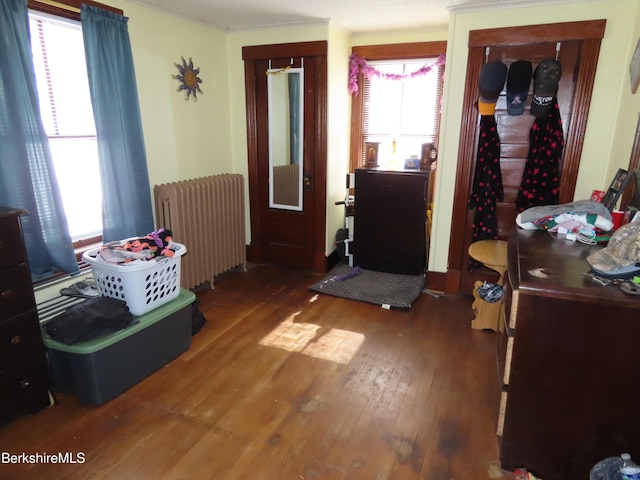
(518, 82)
(545, 86)
(621, 256)
(492, 77)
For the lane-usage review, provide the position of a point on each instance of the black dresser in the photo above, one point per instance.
(24, 384)
(390, 220)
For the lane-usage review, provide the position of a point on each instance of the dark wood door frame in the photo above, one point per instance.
(317, 49)
(590, 33)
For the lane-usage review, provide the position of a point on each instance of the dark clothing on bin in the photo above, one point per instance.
(90, 319)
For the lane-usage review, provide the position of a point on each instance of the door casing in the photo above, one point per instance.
(308, 226)
(589, 34)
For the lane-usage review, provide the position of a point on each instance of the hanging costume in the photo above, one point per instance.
(487, 181)
(541, 178)
(540, 183)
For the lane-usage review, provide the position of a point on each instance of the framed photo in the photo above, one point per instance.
(616, 188)
(371, 154)
(634, 69)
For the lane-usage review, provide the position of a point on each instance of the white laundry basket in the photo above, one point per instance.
(143, 285)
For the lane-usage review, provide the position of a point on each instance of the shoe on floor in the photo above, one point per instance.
(81, 289)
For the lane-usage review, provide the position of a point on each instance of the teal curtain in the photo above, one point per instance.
(123, 162)
(27, 176)
(295, 136)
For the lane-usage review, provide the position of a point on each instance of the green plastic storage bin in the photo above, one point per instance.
(100, 369)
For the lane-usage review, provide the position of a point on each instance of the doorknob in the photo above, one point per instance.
(306, 179)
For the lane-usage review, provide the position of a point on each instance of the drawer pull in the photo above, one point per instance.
(17, 340)
(6, 295)
(25, 383)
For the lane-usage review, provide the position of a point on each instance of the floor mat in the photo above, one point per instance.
(380, 288)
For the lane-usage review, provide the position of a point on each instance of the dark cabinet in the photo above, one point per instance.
(390, 220)
(569, 362)
(24, 383)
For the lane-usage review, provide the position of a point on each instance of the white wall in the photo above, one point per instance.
(183, 139)
(382, 38)
(338, 129)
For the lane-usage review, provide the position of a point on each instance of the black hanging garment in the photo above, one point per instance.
(487, 182)
(487, 185)
(540, 183)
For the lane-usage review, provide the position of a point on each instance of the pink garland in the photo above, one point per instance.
(359, 65)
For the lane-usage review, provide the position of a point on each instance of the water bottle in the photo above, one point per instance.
(628, 469)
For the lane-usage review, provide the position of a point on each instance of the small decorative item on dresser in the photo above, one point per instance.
(428, 155)
(618, 184)
(412, 163)
(371, 154)
(597, 196)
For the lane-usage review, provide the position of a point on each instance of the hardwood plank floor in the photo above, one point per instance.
(282, 383)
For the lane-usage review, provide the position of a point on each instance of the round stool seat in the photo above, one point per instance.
(492, 254)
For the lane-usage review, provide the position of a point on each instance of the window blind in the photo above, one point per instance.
(402, 110)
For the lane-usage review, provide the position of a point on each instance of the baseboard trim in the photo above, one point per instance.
(447, 282)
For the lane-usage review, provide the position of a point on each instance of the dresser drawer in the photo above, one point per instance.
(19, 338)
(12, 251)
(16, 294)
(24, 387)
(393, 248)
(400, 197)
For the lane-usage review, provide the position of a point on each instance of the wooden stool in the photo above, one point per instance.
(493, 255)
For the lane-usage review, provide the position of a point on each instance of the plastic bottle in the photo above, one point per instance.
(628, 469)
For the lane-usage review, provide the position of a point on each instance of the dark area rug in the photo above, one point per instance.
(380, 288)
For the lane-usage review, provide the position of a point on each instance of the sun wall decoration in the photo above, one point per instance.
(188, 78)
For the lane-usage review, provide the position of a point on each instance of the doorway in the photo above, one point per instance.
(577, 45)
(287, 196)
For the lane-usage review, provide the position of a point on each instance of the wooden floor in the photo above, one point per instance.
(282, 383)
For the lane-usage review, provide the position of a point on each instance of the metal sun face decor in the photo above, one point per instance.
(188, 78)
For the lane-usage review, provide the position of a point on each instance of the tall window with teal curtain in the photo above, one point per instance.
(27, 175)
(126, 192)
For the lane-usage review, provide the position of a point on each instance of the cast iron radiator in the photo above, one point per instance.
(207, 216)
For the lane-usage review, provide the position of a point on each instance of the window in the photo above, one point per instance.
(65, 106)
(406, 111)
(401, 114)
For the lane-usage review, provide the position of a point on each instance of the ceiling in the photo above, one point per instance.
(357, 16)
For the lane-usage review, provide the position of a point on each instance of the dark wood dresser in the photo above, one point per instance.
(390, 220)
(569, 362)
(24, 385)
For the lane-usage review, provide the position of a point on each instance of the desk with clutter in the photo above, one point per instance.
(568, 353)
